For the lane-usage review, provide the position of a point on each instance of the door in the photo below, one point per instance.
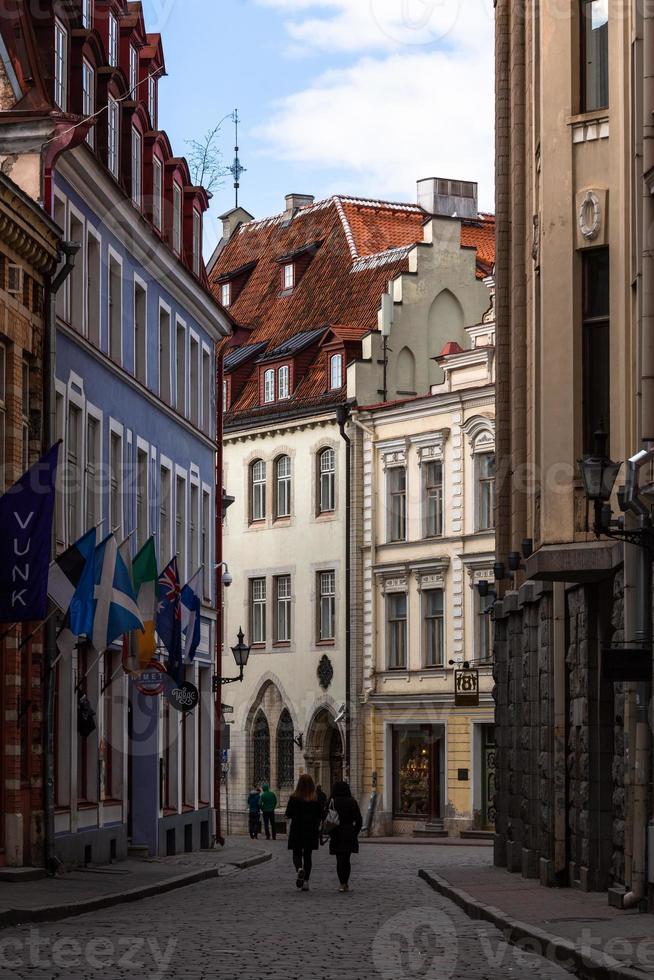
(488, 776)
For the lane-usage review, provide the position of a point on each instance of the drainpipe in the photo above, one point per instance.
(342, 417)
(648, 281)
(217, 764)
(70, 250)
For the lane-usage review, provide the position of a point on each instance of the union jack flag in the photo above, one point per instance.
(169, 617)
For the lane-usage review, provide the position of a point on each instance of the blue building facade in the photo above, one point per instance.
(136, 410)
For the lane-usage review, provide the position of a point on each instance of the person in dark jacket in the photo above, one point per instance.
(344, 839)
(305, 814)
(254, 809)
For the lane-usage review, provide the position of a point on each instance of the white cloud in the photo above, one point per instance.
(402, 109)
(368, 25)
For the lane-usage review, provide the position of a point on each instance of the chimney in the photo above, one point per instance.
(232, 219)
(296, 201)
(449, 198)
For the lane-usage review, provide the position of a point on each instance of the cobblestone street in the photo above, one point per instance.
(255, 924)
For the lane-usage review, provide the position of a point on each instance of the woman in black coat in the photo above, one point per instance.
(305, 813)
(344, 839)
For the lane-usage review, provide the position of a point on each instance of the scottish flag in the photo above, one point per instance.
(104, 606)
(191, 606)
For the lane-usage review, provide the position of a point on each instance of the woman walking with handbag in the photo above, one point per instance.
(305, 813)
(344, 837)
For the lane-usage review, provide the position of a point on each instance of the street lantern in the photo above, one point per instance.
(598, 472)
(241, 655)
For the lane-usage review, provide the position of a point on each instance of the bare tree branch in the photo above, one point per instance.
(205, 159)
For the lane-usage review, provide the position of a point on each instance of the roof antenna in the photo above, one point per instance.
(236, 169)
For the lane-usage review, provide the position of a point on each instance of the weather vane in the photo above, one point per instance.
(236, 169)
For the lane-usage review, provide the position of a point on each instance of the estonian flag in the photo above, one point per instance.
(66, 572)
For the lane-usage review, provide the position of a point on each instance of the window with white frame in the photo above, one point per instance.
(142, 466)
(327, 481)
(115, 310)
(3, 416)
(433, 498)
(133, 69)
(283, 486)
(60, 425)
(93, 467)
(485, 485)
(197, 242)
(336, 371)
(433, 628)
(194, 387)
(113, 135)
(226, 294)
(88, 98)
(140, 331)
(26, 409)
(116, 484)
(164, 355)
(180, 525)
(327, 605)
(207, 525)
(396, 630)
(283, 382)
(283, 609)
(74, 473)
(61, 66)
(157, 192)
(258, 610)
(113, 40)
(257, 490)
(396, 483)
(87, 13)
(93, 272)
(483, 626)
(180, 357)
(206, 391)
(137, 166)
(289, 275)
(152, 100)
(177, 219)
(225, 395)
(194, 530)
(165, 487)
(269, 386)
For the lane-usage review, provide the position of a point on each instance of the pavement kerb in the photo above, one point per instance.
(54, 913)
(588, 966)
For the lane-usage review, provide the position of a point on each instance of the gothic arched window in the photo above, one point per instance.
(285, 751)
(261, 750)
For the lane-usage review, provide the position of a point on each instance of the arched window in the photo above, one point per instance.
(285, 751)
(283, 486)
(336, 371)
(261, 750)
(406, 372)
(258, 490)
(326, 481)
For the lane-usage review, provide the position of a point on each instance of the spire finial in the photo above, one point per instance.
(236, 169)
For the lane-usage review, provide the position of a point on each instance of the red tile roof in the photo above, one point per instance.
(363, 245)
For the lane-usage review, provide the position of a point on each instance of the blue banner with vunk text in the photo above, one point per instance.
(26, 515)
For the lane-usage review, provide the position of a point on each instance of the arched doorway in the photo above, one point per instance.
(324, 750)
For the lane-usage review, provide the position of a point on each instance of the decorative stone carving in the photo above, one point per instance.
(325, 672)
(591, 205)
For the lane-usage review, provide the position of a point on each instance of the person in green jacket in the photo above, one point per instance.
(268, 804)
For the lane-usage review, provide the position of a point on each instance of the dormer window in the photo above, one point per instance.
(88, 98)
(152, 100)
(284, 382)
(137, 162)
(226, 294)
(288, 274)
(336, 371)
(113, 130)
(87, 13)
(61, 66)
(177, 219)
(133, 70)
(269, 386)
(113, 40)
(197, 242)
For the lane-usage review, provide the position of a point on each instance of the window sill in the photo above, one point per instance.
(258, 647)
(326, 643)
(326, 515)
(282, 645)
(257, 525)
(86, 805)
(170, 811)
(597, 115)
(112, 801)
(282, 521)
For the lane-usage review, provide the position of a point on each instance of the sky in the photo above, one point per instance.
(360, 97)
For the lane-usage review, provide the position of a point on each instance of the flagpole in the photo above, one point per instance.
(35, 631)
(92, 667)
(111, 679)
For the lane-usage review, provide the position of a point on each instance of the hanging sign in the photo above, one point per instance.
(152, 681)
(185, 697)
(466, 688)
